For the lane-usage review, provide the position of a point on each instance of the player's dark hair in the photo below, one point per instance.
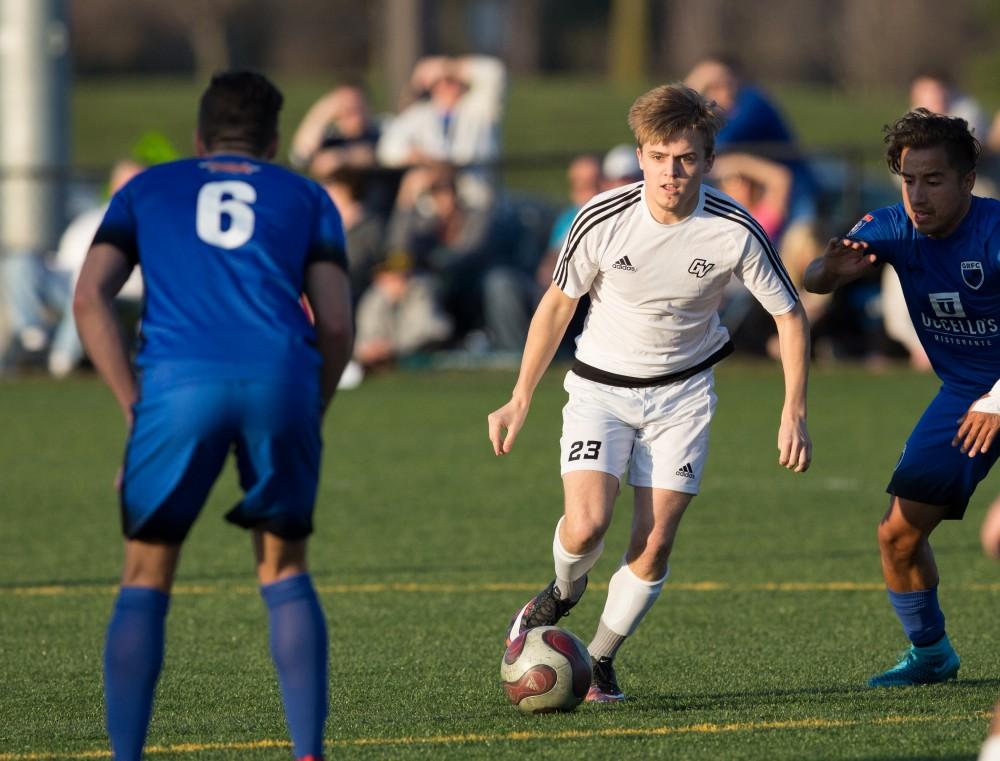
(666, 111)
(922, 129)
(239, 111)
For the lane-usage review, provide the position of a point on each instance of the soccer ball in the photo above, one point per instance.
(546, 669)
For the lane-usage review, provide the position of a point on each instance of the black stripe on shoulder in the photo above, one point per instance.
(327, 252)
(123, 240)
(586, 221)
(590, 210)
(742, 218)
(737, 209)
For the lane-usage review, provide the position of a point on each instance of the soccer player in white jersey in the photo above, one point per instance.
(655, 257)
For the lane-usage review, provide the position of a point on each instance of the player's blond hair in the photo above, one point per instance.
(666, 111)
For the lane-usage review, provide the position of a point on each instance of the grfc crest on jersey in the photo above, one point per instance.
(972, 274)
(700, 267)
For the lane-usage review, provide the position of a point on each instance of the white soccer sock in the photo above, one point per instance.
(991, 749)
(571, 569)
(629, 598)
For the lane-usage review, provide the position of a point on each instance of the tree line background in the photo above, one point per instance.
(847, 44)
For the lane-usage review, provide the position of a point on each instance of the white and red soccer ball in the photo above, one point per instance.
(545, 670)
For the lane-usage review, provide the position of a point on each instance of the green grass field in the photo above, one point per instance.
(773, 616)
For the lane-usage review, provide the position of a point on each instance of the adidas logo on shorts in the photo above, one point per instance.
(623, 264)
(685, 470)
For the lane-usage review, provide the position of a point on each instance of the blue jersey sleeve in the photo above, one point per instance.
(880, 230)
(329, 243)
(118, 226)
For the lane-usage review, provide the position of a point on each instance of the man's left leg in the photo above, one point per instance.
(911, 577)
(298, 639)
(637, 583)
(133, 653)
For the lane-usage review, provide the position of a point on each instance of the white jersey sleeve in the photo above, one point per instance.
(579, 261)
(760, 269)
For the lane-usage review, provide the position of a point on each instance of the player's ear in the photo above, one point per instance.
(199, 145)
(709, 162)
(969, 181)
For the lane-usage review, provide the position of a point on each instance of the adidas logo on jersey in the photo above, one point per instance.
(685, 470)
(623, 264)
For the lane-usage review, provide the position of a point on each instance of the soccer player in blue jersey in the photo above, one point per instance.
(944, 244)
(228, 361)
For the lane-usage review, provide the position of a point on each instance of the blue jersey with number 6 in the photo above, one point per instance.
(224, 243)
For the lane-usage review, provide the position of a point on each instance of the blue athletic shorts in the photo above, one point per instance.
(930, 469)
(179, 442)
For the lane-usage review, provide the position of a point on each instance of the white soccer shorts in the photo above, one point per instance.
(659, 434)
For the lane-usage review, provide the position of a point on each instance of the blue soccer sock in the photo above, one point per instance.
(920, 615)
(133, 655)
(299, 649)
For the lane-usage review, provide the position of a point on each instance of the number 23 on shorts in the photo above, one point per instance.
(584, 450)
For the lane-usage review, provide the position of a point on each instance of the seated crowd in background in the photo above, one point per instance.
(441, 258)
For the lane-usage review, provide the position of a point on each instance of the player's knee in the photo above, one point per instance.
(583, 534)
(897, 541)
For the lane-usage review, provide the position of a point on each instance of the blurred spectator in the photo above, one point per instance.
(338, 131)
(455, 119)
(620, 167)
(759, 185)
(66, 350)
(399, 315)
(510, 294)
(364, 230)
(936, 91)
(49, 291)
(754, 125)
(448, 238)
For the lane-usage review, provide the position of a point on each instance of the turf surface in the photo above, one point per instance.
(773, 617)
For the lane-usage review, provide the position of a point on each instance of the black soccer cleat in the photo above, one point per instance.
(544, 609)
(604, 685)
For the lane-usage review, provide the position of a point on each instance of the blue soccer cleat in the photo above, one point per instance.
(921, 665)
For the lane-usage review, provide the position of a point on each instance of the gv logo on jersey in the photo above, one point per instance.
(972, 274)
(700, 267)
(946, 304)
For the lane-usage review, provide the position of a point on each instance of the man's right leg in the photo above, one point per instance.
(298, 639)
(133, 653)
(911, 577)
(579, 539)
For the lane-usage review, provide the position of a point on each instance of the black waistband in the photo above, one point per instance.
(611, 379)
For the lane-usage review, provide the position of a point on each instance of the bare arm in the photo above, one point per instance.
(794, 445)
(842, 261)
(547, 327)
(104, 272)
(310, 132)
(329, 295)
(774, 178)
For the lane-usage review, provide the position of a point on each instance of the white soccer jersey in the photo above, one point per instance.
(655, 289)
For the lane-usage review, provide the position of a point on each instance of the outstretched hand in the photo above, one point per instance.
(504, 425)
(848, 258)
